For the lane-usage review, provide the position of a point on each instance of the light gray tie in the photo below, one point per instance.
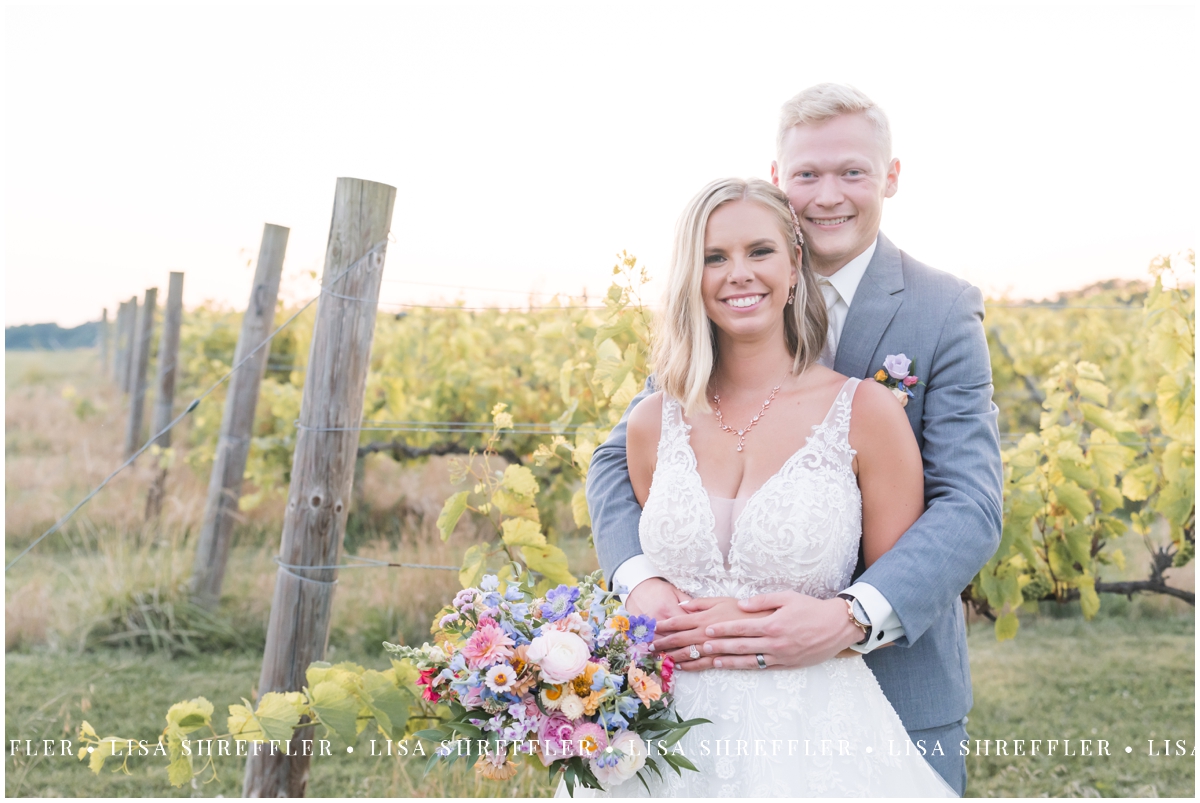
(832, 296)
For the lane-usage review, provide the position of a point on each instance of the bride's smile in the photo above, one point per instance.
(748, 273)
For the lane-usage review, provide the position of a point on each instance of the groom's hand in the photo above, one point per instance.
(657, 598)
(799, 631)
(676, 636)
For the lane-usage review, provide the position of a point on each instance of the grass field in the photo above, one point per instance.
(1125, 680)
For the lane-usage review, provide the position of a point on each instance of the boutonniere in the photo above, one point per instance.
(896, 375)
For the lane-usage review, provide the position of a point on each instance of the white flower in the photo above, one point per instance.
(561, 656)
(571, 706)
(631, 752)
(901, 396)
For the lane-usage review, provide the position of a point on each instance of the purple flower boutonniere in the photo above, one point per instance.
(896, 375)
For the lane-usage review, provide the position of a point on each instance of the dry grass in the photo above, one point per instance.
(111, 578)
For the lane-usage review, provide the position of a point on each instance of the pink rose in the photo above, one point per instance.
(555, 737)
(897, 365)
(561, 656)
(909, 381)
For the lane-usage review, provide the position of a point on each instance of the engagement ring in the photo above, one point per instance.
(693, 653)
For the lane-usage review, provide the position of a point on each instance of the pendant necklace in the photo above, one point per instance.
(742, 433)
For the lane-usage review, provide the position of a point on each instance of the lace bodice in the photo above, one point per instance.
(800, 531)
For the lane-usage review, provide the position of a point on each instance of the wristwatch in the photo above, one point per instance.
(858, 616)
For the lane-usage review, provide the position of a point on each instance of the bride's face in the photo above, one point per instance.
(748, 270)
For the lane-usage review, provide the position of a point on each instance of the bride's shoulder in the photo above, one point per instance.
(876, 417)
(645, 420)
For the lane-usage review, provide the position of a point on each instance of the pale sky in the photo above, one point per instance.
(1042, 146)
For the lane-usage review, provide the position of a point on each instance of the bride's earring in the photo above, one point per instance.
(792, 295)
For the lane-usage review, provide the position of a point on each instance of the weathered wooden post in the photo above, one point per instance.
(124, 342)
(164, 395)
(233, 444)
(104, 342)
(323, 465)
(139, 360)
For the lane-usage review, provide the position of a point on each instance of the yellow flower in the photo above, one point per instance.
(619, 623)
(881, 375)
(582, 685)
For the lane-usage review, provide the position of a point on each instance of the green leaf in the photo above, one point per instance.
(1073, 498)
(451, 512)
(388, 703)
(1006, 627)
(1089, 602)
(336, 708)
(579, 508)
(473, 565)
(190, 715)
(522, 532)
(520, 482)
(550, 561)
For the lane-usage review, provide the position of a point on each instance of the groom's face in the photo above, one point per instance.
(836, 174)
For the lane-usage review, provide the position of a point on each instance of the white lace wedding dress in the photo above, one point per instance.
(822, 731)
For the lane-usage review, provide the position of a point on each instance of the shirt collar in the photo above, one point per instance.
(848, 277)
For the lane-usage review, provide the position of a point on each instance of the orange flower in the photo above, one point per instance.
(881, 375)
(591, 703)
(619, 623)
(496, 767)
(644, 685)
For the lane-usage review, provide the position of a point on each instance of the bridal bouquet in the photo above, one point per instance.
(567, 679)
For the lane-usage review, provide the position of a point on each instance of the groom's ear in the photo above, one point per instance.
(775, 172)
(893, 179)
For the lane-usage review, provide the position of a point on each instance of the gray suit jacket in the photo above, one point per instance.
(901, 306)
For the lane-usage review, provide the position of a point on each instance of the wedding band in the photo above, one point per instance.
(693, 653)
(762, 662)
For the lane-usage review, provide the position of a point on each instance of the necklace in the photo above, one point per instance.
(742, 433)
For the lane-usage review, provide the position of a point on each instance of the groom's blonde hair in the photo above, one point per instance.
(685, 339)
(826, 101)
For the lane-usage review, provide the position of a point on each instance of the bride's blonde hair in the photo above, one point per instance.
(685, 341)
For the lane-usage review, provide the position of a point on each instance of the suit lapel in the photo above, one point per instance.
(876, 300)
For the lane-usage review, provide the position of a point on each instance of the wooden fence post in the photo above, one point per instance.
(139, 359)
(323, 465)
(104, 342)
(124, 343)
(237, 421)
(164, 395)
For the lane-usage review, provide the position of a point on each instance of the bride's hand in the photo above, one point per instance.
(676, 636)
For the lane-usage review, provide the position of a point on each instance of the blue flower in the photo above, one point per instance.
(560, 602)
(641, 629)
(627, 706)
(598, 680)
(458, 663)
(519, 611)
(513, 593)
(491, 599)
(611, 721)
(490, 582)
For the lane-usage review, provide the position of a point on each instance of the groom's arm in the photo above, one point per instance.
(614, 509)
(942, 552)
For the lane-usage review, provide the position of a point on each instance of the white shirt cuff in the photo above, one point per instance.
(632, 572)
(885, 624)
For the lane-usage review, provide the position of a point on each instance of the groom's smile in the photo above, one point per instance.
(836, 174)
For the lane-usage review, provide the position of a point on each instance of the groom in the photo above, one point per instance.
(834, 162)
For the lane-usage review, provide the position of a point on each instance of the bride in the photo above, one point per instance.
(759, 470)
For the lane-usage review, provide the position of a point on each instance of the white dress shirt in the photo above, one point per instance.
(838, 290)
